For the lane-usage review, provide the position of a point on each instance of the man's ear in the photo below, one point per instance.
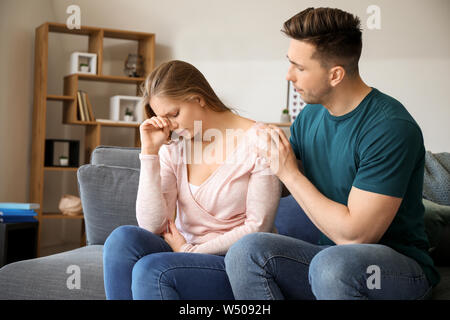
(337, 73)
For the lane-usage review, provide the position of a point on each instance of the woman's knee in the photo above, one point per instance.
(134, 239)
(245, 248)
(146, 277)
(121, 236)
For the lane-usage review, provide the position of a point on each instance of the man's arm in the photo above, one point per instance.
(284, 191)
(364, 220)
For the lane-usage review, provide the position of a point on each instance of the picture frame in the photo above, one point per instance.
(295, 103)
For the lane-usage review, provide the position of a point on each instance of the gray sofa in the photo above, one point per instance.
(108, 188)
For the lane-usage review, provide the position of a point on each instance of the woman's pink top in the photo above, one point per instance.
(240, 197)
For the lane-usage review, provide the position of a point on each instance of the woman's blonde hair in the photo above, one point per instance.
(181, 81)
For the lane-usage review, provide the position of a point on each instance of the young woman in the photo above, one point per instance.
(201, 188)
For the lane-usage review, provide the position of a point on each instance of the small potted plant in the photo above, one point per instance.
(128, 115)
(285, 117)
(63, 161)
(84, 67)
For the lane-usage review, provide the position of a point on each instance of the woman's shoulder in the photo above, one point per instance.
(171, 153)
(246, 124)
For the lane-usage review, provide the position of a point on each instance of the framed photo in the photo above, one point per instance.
(295, 104)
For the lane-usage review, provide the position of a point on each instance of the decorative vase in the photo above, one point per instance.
(84, 69)
(134, 65)
(285, 117)
(63, 162)
(128, 118)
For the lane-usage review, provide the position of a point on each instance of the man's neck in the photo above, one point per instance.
(347, 97)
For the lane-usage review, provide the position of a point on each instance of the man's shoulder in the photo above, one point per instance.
(386, 115)
(390, 108)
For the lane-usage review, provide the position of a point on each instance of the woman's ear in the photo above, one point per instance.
(200, 101)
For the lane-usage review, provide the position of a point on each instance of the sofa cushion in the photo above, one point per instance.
(108, 195)
(436, 178)
(442, 290)
(292, 221)
(436, 217)
(437, 227)
(54, 277)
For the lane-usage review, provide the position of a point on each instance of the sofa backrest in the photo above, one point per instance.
(108, 190)
(116, 156)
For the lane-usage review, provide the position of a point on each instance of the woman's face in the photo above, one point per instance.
(183, 113)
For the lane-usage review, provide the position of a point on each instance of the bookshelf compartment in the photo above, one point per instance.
(62, 147)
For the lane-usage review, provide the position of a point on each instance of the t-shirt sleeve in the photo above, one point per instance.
(388, 154)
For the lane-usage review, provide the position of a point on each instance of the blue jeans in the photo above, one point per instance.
(138, 264)
(272, 266)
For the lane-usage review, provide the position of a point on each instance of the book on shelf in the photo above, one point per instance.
(84, 109)
(81, 115)
(89, 108)
(116, 121)
(19, 205)
(12, 219)
(17, 212)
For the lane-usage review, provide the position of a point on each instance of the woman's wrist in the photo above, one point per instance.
(149, 151)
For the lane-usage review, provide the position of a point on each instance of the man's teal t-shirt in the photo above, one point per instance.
(377, 147)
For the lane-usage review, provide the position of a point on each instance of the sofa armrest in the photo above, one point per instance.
(71, 275)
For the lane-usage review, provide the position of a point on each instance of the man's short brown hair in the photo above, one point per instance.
(336, 34)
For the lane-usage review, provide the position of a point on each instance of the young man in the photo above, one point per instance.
(363, 162)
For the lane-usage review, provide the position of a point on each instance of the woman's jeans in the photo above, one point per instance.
(138, 264)
(272, 266)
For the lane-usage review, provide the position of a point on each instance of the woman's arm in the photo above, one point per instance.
(157, 192)
(263, 196)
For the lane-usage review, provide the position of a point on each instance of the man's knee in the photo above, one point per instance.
(335, 269)
(329, 267)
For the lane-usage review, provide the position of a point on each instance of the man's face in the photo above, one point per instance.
(309, 77)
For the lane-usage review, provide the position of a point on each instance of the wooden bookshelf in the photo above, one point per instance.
(96, 35)
(280, 124)
(59, 215)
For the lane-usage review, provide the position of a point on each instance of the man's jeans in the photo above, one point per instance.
(271, 266)
(138, 264)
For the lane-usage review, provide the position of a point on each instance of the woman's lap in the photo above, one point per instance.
(139, 264)
(177, 275)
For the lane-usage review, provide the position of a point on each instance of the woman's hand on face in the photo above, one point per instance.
(154, 133)
(173, 237)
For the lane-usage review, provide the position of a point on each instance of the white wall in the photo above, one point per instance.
(236, 44)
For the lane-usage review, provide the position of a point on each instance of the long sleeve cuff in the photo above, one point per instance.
(148, 156)
(187, 247)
